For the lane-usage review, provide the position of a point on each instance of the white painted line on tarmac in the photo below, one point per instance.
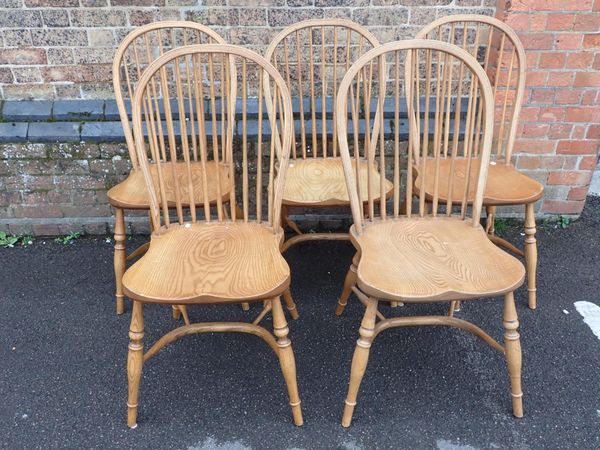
(591, 315)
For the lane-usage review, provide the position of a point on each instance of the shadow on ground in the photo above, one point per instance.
(63, 352)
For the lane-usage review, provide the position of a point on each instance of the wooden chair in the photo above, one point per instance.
(134, 54)
(501, 53)
(197, 254)
(313, 56)
(437, 251)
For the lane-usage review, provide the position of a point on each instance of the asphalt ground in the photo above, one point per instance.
(63, 352)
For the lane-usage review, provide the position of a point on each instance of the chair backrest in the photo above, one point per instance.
(313, 56)
(190, 109)
(499, 50)
(452, 82)
(142, 46)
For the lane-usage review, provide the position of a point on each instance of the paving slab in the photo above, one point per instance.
(102, 132)
(78, 110)
(63, 361)
(54, 132)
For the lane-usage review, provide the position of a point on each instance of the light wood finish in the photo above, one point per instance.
(136, 51)
(502, 55)
(512, 344)
(531, 254)
(199, 252)
(313, 56)
(427, 251)
(321, 182)
(436, 259)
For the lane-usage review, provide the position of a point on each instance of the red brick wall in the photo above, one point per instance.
(559, 136)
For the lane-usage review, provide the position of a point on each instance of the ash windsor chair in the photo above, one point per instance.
(425, 252)
(197, 253)
(313, 56)
(134, 54)
(501, 53)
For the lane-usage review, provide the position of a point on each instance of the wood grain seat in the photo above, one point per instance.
(424, 259)
(320, 181)
(209, 262)
(505, 184)
(132, 193)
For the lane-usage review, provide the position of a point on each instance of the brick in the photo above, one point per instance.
(17, 38)
(560, 130)
(578, 193)
(568, 96)
(591, 40)
(562, 207)
(53, 132)
(51, 3)
(538, 22)
(27, 75)
(587, 22)
(78, 109)
(560, 22)
(584, 147)
(552, 5)
(580, 60)
(539, 162)
(541, 96)
(98, 18)
(252, 17)
(13, 132)
(518, 22)
(560, 79)
(6, 75)
(220, 16)
(142, 17)
(60, 56)
(101, 38)
(380, 16)
(574, 178)
(537, 41)
(55, 18)
(590, 97)
(538, 146)
(27, 92)
(552, 60)
(593, 132)
(568, 41)
(583, 114)
(536, 130)
(95, 72)
(588, 163)
(536, 78)
(20, 18)
(585, 79)
(137, 2)
(578, 132)
(285, 17)
(59, 37)
(552, 114)
(26, 111)
(22, 56)
(87, 55)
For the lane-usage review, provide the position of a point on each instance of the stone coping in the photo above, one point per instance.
(99, 121)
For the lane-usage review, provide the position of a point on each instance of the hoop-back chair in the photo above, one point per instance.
(498, 49)
(198, 254)
(134, 54)
(431, 252)
(313, 56)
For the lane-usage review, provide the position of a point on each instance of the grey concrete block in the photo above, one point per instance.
(27, 111)
(78, 110)
(13, 132)
(111, 111)
(54, 132)
(102, 132)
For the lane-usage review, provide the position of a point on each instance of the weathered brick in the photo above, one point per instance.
(98, 18)
(6, 75)
(285, 17)
(568, 41)
(591, 40)
(55, 18)
(380, 16)
(582, 147)
(101, 38)
(560, 22)
(20, 18)
(60, 56)
(27, 92)
(59, 37)
(27, 75)
(51, 3)
(22, 56)
(588, 163)
(579, 178)
(137, 2)
(90, 72)
(579, 60)
(17, 38)
(562, 207)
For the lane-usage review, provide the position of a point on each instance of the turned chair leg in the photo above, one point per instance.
(286, 359)
(349, 283)
(135, 362)
(489, 220)
(119, 259)
(360, 359)
(290, 304)
(512, 347)
(531, 254)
